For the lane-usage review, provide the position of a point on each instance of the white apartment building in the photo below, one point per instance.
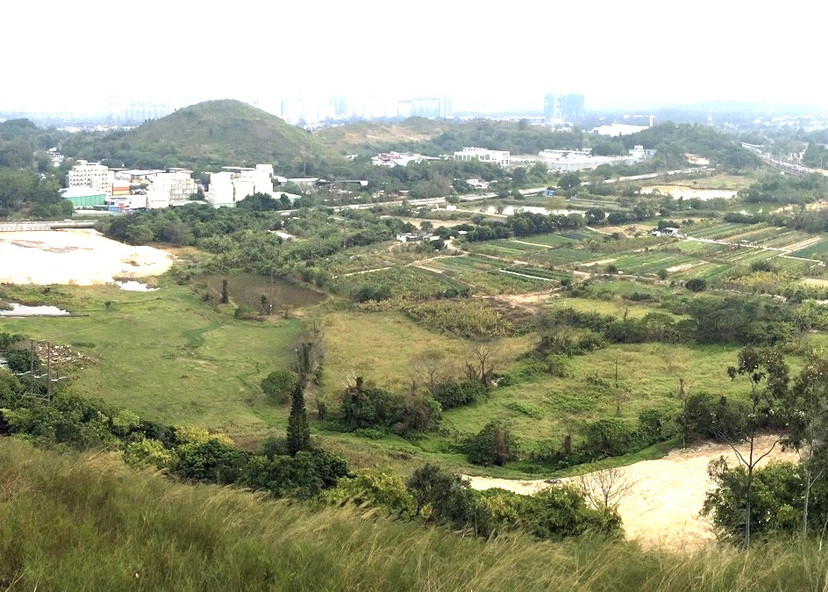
(182, 186)
(498, 157)
(96, 176)
(230, 186)
(221, 189)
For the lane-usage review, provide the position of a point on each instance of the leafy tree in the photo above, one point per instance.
(808, 425)
(278, 385)
(569, 181)
(758, 366)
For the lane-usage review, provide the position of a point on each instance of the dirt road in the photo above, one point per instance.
(662, 507)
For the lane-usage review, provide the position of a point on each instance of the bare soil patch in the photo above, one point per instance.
(76, 257)
(662, 508)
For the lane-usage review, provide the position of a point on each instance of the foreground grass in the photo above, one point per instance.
(84, 522)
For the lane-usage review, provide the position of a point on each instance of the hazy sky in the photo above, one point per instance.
(77, 56)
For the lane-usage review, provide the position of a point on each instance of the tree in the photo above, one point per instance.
(225, 295)
(279, 385)
(298, 430)
(758, 365)
(605, 489)
(808, 426)
(595, 216)
(569, 181)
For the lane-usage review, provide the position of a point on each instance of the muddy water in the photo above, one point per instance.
(248, 288)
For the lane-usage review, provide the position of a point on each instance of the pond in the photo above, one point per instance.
(21, 310)
(248, 288)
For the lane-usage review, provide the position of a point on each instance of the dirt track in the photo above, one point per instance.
(662, 507)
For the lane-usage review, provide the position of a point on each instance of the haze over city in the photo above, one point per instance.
(487, 57)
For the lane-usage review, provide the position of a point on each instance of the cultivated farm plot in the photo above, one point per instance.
(505, 248)
(550, 240)
(785, 239)
(409, 281)
(723, 231)
(815, 250)
(563, 256)
(651, 262)
(756, 236)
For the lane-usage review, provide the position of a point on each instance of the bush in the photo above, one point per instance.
(451, 394)
(493, 445)
(212, 461)
(706, 416)
(611, 437)
(655, 425)
(374, 487)
(245, 313)
(278, 385)
(776, 500)
(367, 407)
(696, 284)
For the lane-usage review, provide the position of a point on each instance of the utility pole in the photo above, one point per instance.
(31, 367)
(48, 371)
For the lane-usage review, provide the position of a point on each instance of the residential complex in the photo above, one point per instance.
(97, 186)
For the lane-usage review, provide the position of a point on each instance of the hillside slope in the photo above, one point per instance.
(84, 522)
(367, 136)
(212, 133)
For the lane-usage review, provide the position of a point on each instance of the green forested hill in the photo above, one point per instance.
(212, 133)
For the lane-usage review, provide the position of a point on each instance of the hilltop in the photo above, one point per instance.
(374, 135)
(212, 133)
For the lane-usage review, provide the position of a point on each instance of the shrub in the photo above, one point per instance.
(493, 445)
(278, 385)
(245, 313)
(374, 487)
(149, 452)
(611, 437)
(706, 416)
(451, 394)
(367, 406)
(655, 425)
(212, 461)
(696, 284)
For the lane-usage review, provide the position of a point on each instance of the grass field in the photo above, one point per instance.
(167, 355)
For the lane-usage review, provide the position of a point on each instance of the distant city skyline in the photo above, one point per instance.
(618, 55)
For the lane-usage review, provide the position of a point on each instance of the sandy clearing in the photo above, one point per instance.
(77, 257)
(599, 262)
(682, 267)
(802, 244)
(663, 505)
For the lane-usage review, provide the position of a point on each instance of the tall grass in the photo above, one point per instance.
(70, 522)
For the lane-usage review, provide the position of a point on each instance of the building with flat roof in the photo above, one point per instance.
(235, 183)
(498, 157)
(96, 176)
(84, 198)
